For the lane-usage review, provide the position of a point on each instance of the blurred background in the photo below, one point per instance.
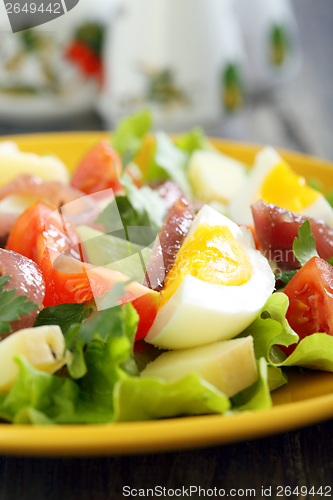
(251, 70)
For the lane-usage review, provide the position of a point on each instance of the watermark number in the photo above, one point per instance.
(15, 8)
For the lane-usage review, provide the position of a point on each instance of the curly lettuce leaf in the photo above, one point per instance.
(314, 352)
(115, 327)
(272, 329)
(109, 389)
(169, 162)
(118, 254)
(42, 399)
(257, 396)
(192, 140)
(145, 200)
(275, 377)
(106, 388)
(39, 398)
(138, 208)
(151, 398)
(127, 138)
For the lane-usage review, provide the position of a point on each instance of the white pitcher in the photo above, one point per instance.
(272, 41)
(170, 55)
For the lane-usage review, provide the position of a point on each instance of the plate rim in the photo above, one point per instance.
(188, 432)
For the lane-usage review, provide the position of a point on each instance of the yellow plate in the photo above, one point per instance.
(307, 398)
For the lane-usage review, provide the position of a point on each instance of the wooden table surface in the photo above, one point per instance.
(298, 116)
(294, 459)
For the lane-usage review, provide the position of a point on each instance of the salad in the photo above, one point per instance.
(161, 279)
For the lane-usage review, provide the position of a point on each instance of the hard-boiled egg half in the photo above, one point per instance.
(216, 288)
(273, 181)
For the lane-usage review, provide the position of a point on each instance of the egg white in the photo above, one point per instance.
(320, 209)
(240, 206)
(266, 160)
(199, 312)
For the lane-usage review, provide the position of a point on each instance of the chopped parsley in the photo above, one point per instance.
(11, 307)
(304, 247)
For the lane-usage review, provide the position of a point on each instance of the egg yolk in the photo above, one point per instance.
(285, 188)
(211, 254)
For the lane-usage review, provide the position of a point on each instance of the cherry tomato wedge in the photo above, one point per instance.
(98, 170)
(310, 294)
(40, 226)
(69, 285)
(68, 280)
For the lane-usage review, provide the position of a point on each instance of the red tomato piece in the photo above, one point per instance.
(71, 284)
(68, 280)
(277, 228)
(100, 169)
(146, 306)
(40, 226)
(144, 300)
(310, 294)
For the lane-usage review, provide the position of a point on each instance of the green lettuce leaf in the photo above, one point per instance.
(129, 215)
(32, 416)
(111, 252)
(105, 386)
(314, 352)
(256, 397)
(116, 325)
(77, 368)
(192, 140)
(151, 398)
(139, 208)
(40, 398)
(275, 377)
(271, 329)
(110, 390)
(145, 201)
(128, 136)
(169, 162)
